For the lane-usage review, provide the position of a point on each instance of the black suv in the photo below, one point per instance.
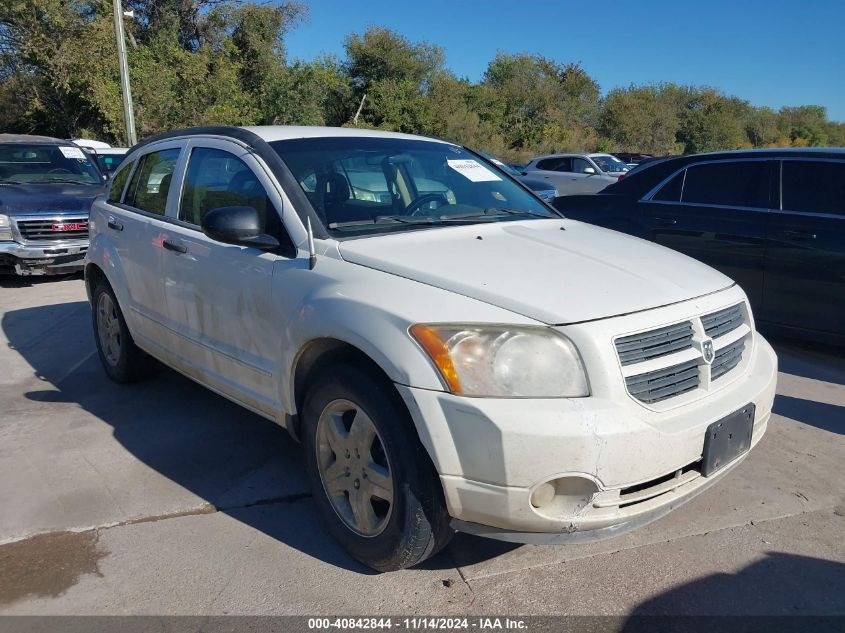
(773, 220)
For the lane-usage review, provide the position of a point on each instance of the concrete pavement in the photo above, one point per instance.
(163, 498)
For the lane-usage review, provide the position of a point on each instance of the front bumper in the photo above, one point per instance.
(49, 259)
(621, 465)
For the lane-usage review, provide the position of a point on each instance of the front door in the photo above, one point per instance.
(804, 284)
(218, 296)
(717, 213)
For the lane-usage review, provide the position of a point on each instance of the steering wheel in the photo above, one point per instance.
(414, 207)
(59, 170)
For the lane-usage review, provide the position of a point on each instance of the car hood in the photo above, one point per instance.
(32, 198)
(553, 271)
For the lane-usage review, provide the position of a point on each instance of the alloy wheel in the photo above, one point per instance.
(354, 468)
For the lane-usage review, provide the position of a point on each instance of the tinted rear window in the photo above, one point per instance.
(732, 184)
(671, 191)
(814, 186)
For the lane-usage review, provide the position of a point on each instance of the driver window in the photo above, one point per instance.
(579, 165)
(216, 178)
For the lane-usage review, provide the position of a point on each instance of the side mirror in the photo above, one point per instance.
(589, 170)
(237, 225)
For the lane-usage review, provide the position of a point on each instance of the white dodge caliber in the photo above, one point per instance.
(451, 352)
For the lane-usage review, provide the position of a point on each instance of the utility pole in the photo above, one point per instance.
(358, 113)
(128, 115)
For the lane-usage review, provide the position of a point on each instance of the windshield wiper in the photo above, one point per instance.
(486, 215)
(492, 212)
(384, 219)
(11, 182)
(65, 180)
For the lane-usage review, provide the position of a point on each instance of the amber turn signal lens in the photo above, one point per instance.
(439, 353)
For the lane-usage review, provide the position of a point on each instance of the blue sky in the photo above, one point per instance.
(772, 53)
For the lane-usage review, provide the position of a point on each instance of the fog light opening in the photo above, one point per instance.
(565, 496)
(543, 495)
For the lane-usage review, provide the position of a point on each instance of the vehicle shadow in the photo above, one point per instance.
(240, 463)
(829, 417)
(25, 281)
(810, 360)
(815, 362)
(779, 584)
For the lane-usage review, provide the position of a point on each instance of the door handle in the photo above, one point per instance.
(114, 224)
(176, 247)
(665, 221)
(798, 235)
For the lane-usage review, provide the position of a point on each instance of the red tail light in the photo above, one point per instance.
(621, 177)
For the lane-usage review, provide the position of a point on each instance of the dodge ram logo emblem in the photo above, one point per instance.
(707, 350)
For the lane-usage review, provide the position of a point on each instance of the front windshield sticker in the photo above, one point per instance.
(72, 152)
(473, 170)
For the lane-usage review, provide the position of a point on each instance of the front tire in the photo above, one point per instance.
(122, 360)
(372, 480)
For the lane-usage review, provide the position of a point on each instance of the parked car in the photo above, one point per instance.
(576, 173)
(632, 159)
(773, 220)
(463, 359)
(46, 188)
(108, 158)
(542, 188)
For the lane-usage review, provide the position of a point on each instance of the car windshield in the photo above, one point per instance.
(366, 185)
(610, 164)
(108, 163)
(43, 163)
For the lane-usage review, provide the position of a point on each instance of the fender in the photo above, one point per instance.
(370, 310)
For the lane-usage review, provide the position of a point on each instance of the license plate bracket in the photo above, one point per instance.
(727, 439)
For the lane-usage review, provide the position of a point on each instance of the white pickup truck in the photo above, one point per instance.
(452, 353)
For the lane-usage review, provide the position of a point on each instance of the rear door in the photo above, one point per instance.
(717, 213)
(217, 295)
(135, 224)
(558, 171)
(804, 284)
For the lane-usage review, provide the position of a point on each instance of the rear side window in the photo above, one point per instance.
(814, 186)
(555, 164)
(671, 191)
(118, 183)
(216, 178)
(732, 184)
(151, 182)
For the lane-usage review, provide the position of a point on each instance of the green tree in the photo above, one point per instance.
(805, 125)
(643, 119)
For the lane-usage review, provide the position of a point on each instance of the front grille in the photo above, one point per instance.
(668, 382)
(727, 358)
(53, 229)
(654, 344)
(723, 321)
(669, 361)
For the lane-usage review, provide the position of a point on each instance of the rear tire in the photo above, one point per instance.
(373, 481)
(123, 361)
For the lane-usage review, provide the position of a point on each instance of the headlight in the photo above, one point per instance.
(504, 361)
(5, 228)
